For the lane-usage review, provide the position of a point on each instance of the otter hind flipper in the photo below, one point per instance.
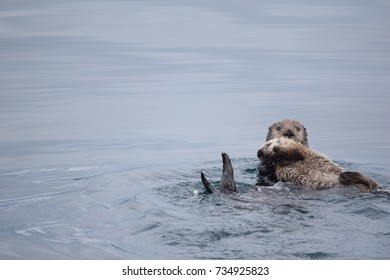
(206, 183)
(357, 179)
(227, 179)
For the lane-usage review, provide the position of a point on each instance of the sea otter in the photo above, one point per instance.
(296, 163)
(290, 129)
(227, 180)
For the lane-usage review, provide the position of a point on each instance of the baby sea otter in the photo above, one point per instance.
(300, 165)
(291, 129)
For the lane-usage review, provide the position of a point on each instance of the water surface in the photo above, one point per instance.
(110, 109)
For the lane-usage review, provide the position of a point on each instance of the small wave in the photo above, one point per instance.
(119, 248)
(147, 228)
(372, 212)
(315, 256)
(20, 172)
(33, 198)
(82, 168)
(382, 191)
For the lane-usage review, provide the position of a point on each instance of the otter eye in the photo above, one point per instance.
(278, 128)
(298, 129)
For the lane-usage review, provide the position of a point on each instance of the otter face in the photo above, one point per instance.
(288, 129)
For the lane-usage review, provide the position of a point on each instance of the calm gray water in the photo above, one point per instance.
(109, 110)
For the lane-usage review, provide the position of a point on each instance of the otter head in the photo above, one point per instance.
(288, 129)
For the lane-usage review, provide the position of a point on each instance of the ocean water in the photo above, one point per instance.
(109, 111)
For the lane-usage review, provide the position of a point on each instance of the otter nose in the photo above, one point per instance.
(288, 134)
(260, 153)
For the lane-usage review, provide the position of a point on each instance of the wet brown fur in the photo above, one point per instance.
(296, 163)
(291, 129)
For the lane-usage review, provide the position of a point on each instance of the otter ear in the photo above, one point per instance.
(269, 135)
(305, 134)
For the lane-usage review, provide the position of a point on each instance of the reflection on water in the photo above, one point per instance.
(109, 110)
